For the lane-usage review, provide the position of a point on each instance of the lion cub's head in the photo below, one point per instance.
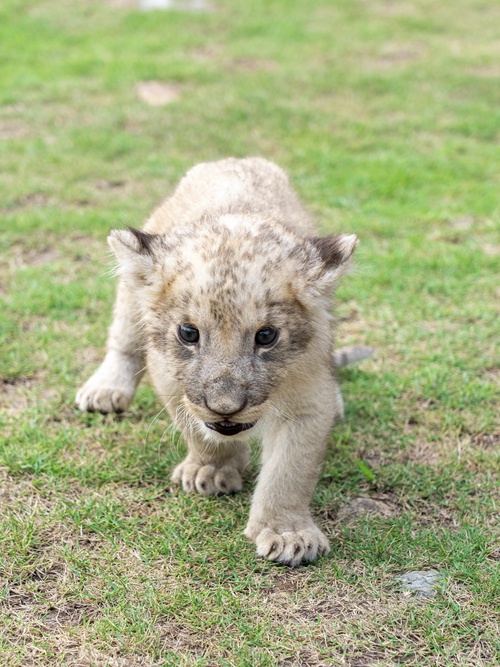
(229, 305)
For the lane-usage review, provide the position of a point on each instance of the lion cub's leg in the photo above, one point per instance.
(280, 522)
(113, 385)
(211, 469)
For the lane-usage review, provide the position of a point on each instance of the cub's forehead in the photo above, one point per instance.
(239, 266)
(233, 245)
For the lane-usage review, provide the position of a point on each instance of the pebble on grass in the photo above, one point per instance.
(178, 5)
(362, 506)
(421, 582)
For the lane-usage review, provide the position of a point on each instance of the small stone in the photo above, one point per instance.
(179, 5)
(421, 582)
(362, 506)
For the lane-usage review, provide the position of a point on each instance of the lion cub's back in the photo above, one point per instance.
(251, 185)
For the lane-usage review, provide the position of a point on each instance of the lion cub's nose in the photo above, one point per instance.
(225, 406)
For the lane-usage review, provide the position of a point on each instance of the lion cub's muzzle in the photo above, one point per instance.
(227, 409)
(227, 398)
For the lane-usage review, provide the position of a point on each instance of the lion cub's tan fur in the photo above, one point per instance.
(230, 253)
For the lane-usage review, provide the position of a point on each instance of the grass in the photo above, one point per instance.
(386, 116)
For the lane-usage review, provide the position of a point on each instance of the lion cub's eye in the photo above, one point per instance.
(188, 334)
(266, 337)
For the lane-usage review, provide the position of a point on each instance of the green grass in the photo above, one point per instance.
(386, 116)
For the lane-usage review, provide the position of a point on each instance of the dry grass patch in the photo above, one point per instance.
(15, 395)
(38, 250)
(14, 129)
(394, 56)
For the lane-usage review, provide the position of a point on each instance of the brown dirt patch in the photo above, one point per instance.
(31, 200)
(109, 185)
(375, 458)
(24, 258)
(351, 325)
(180, 638)
(205, 53)
(253, 64)
(22, 393)
(38, 252)
(307, 656)
(14, 129)
(68, 615)
(487, 71)
(157, 93)
(492, 372)
(123, 4)
(394, 8)
(422, 451)
(14, 394)
(486, 440)
(435, 452)
(462, 223)
(395, 55)
(490, 249)
(89, 656)
(20, 257)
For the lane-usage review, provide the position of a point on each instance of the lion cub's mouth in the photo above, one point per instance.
(228, 428)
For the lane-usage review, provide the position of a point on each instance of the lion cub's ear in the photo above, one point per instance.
(335, 252)
(137, 252)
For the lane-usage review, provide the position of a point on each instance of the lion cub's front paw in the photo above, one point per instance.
(93, 397)
(208, 480)
(289, 547)
(112, 387)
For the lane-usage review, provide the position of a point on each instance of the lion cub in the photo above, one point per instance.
(225, 297)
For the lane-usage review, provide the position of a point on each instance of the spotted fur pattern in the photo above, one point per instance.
(230, 253)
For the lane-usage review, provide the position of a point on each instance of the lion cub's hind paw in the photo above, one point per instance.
(292, 547)
(208, 480)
